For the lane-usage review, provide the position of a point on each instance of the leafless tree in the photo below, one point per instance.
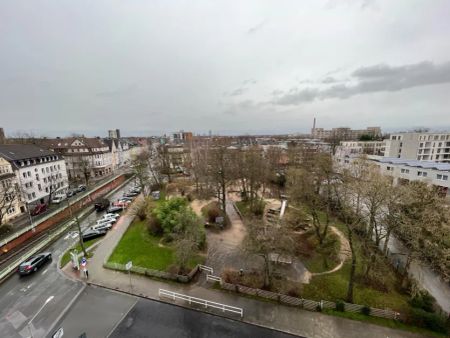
(9, 195)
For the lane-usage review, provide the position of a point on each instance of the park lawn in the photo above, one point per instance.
(144, 250)
(324, 257)
(66, 257)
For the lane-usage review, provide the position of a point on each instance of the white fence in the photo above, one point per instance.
(205, 303)
(208, 269)
(211, 278)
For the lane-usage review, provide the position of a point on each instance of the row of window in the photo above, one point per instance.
(37, 160)
(435, 137)
(424, 174)
(4, 169)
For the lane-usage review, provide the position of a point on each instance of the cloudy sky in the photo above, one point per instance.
(149, 67)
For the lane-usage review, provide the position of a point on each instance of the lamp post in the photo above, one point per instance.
(35, 315)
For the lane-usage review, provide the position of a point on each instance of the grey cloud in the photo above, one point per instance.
(372, 79)
(329, 79)
(238, 92)
(123, 90)
(256, 28)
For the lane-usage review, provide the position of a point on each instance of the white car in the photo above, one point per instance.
(100, 227)
(58, 199)
(106, 221)
(110, 215)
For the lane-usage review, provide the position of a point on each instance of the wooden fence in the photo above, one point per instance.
(153, 273)
(307, 304)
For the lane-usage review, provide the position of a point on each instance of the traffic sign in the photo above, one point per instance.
(83, 262)
(129, 265)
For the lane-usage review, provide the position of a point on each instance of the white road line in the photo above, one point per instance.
(44, 272)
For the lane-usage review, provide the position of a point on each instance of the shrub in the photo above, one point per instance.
(154, 226)
(258, 208)
(423, 300)
(431, 321)
(340, 306)
(213, 212)
(365, 310)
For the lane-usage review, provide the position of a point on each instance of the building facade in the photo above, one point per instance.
(87, 158)
(345, 133)
(10, 198)
(351, 148)
(419, 146)
(40, 173)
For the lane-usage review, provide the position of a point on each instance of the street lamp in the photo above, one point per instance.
(32, 318)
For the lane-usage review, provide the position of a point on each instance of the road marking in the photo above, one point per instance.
(44, 272)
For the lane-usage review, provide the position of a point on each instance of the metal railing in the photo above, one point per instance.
(212, 278)
(206, 268)
(204, 302)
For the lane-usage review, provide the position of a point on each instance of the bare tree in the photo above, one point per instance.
(220, 172)
(265, 240)
(8, 197)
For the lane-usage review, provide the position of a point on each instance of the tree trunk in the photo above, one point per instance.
(351, 279)
(386, 241)
(267, 279)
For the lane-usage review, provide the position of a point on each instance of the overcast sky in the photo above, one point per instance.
(149, 67)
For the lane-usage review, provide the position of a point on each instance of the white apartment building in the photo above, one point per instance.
(350, 148)
(404, 170)
(419, 146)
(39, 171)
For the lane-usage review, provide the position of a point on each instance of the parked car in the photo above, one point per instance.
(106, 220)
(127, 199)
(71, 192)
(114, 209)
(131, 194)
(101, 204)
(122, 204)
(111, 215)
(39, 209)
(81, 188)
(58, 199)
(91, 234)
(33, 264)
(135, 190)
(101, 227)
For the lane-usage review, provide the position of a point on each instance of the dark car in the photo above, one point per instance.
(127, 198)
(71, 192)
(131, 194)
(81, 188)
(91, 234)
(114, 209)
(32, 264)
(101, 204)
(39, 209)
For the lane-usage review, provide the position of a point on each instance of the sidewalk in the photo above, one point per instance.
(267, 314)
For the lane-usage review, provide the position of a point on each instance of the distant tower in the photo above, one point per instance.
(313, 130)
(2, 136)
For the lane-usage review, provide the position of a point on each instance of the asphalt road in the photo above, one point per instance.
(22, 297)
(95, 313)
(154, 319)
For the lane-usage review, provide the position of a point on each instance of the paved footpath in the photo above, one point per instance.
(267, 314)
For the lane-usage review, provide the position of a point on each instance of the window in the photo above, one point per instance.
(43, 170)
(37, 177)
(33, 194)
(439, 177)
(29, 196)
(422, 173)
(11, 210)
(47, 170)
(46, 189)
(442, 177)
(39, 187)
(59, 167)
(24, 175)
(405, 171)
(45, 179)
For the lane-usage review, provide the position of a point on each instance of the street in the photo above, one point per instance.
(22, 297)
(150, 318)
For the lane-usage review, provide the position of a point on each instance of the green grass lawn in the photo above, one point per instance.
(324, 257)
(145, 250)
(66, 257)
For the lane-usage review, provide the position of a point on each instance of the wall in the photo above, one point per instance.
(63, 214)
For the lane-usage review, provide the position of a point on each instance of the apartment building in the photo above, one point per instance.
(349, 148)
(87, 158)
(39, 172)
(345, 133)
(419, 146)
(404, 170)
(10, 198)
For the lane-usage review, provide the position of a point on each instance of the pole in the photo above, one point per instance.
(131, 286)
